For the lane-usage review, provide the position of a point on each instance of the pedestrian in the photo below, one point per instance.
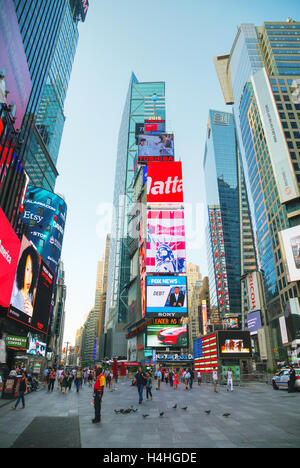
(171, 378)
(215, 379)
(70, 380)
(52, 378)
(106, 375)
(158, 376)
(59, 378)
(98, 394)
(22, 390)
(140, 380)
(167, 377)
(90, 378)
(192, 376)
(110, 381)
(78, 379)
(149, 386)
(292, 380)
(181, 375)
(186, 377)
(229, 377)
(85, 376)
(48, 376)
(199, 377)
(65, 383)
(176, 380)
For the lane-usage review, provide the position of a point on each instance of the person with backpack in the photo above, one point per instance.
(98, 395)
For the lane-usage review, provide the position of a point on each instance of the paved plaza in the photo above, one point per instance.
(259, 417)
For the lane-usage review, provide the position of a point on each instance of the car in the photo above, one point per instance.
(281, 379)
(176, 336)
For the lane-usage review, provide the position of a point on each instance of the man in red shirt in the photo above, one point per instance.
(98, 394)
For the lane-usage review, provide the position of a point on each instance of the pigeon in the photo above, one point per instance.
(208, 411)
(226, 415)
(145, 415)
(175, 406)
(185, 408)
(161, 414)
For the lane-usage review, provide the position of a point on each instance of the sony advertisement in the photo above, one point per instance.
(170, 333)
(166, 294)
(45, 214)
(155, 146)
(9, 255)
(15, 81)
(234, 344)
(32, 290)
(290, 241)
(164, 182)
(166, 249)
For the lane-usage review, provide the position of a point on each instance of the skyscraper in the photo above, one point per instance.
(144, 100)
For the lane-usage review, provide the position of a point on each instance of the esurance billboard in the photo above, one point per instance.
(32, 290)
(234, 344)
(9, 254)
(166, 249)
(164, 182)
(290, 242)
(156, 147)
(14, 72)
(166, 294)
(45, 214)
(278, 149)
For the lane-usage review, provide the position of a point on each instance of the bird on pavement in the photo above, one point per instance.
(226, 415)
(185, 408)
(208, 411)
(145, 415)
(161, 414)
(175, 406)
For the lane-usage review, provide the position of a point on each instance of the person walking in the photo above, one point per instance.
(229, 377)
(176, 380)
(199, 378)
(192, 376)
(292, 381)
(186, 376)
(70, 380)
(110, 381)
(171, 377)
(98, 395)
(140, 380)
(52, 378)
(59, 378)
(106, 375)
(65, 383)
(149, 386)
(215, 380)
(22, 391)
(158, 378)
(90, 378)
(78, 379)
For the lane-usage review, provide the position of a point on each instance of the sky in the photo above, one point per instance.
(162, 40)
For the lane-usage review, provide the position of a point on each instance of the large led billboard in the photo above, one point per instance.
(9, 255)
(32, 290)
(164, 182)
(254, 322)
(45, 214)
(166, 249)
(155, 146)
(167, 336)
(14, 71)
(290, 241)
(234, 344)
(35, 346)
(166, 294)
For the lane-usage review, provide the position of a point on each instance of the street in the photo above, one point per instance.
(259, 418)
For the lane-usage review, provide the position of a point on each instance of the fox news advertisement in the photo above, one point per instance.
(234, 344)
(45, 215)
(32, 290)
(166, 294)
(167, 333)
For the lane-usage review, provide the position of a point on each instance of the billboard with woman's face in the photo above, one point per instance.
(31, 297)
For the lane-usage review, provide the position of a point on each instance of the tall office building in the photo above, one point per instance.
(230, 240)
(50, 34)
(144, 100)
(266, 108)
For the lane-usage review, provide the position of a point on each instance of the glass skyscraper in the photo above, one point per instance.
(143, 101)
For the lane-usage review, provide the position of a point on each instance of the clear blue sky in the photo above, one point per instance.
(161, 40)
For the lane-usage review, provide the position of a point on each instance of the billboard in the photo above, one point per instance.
(234, 344)
(290, 241)
(14, 72)
(206, 354)
(164, 182)
(32, 290)
(45, 214)
(166, 294)
(9, 254)
(154, 127)
(132, 349)
(253, 291)
(155, 146)
(167, 336)
(254, 322)
(166, 249)
(231, 322)
(278, 149)
(16, 342)
(35, 346)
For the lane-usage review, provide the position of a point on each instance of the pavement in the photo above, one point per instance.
(259, 418)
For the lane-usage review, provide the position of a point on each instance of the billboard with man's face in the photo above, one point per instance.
(166, 294)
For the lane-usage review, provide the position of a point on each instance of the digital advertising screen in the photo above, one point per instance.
(14, 71)
(155, 146)
(234, 344)
(166, 249)
(10, 246)
(231, 322)
(166, 294)
(32, 291)
(45, 215)
(164, 182)
(155, 127)
(35, 346)
(254, 322)
(167, 336)
(290, 240)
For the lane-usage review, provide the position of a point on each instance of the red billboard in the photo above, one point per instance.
(14, 72)
(164, 182)
(9, 254)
